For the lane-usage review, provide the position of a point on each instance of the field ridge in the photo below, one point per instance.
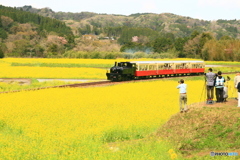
(204, 128)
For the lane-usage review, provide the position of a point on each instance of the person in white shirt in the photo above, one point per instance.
(183, 96)
(236, 81)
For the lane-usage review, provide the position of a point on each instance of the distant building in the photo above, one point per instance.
(89, 37)
(135, 39)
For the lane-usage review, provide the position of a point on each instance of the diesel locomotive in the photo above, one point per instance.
(149, 69)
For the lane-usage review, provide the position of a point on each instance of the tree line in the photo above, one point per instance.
(28, 34)
(202, 45)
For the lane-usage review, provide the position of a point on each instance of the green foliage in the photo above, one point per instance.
(1, 53)
(211, 129)
(3, 33)
(194, 34)
(162, 44)
(179, 44)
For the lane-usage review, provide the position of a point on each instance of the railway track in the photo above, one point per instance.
(102, 83)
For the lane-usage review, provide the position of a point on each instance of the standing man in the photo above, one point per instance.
(238, 88)
(219, 85)
(210, 78)
(183, 96)
(236, 81)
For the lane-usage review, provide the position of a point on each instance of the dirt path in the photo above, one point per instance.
(230, 102)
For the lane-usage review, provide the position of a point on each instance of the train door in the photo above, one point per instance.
(160, 68)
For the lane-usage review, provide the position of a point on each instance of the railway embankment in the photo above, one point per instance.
(204, 129)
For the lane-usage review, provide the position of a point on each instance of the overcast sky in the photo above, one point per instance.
(201, 9)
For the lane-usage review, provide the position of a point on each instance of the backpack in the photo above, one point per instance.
(219, 82)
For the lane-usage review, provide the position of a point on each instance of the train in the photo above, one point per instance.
(132, 70)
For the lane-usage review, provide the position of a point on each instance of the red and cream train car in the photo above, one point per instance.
(159, 68)
(148, 69)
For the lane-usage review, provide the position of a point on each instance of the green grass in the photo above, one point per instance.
(221, 63)
(204, 129)
(6, 87)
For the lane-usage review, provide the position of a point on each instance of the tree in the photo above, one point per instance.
(226, 38)
(22, 47)
(3, 34)
(191, 48)
(1, 53)
(162, 44)
(6, 22)
(194, 34)
(179, 45)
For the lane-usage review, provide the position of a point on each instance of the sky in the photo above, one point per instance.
(200, 9)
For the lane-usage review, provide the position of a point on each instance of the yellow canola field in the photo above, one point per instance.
(75, 123)
(52, 72)
(8, 71)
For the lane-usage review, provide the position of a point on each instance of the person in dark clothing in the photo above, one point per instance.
(219, 85)
(238, 88)
(210, 78)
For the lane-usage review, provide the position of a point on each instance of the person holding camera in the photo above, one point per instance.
(183, 96)
(210, 78)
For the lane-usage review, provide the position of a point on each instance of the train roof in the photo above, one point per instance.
(144, 62)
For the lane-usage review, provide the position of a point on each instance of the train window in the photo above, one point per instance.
(160, 67)
(152, 67)
(165, 66)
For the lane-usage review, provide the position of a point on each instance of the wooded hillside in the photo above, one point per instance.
(29, 34)
(164, 33)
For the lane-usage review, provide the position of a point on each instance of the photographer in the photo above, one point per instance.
(210, 78)
(183, 96)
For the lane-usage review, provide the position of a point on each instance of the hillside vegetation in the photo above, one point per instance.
(27, 34)
(43, 33)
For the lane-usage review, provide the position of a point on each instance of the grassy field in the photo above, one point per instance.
(16, 86)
